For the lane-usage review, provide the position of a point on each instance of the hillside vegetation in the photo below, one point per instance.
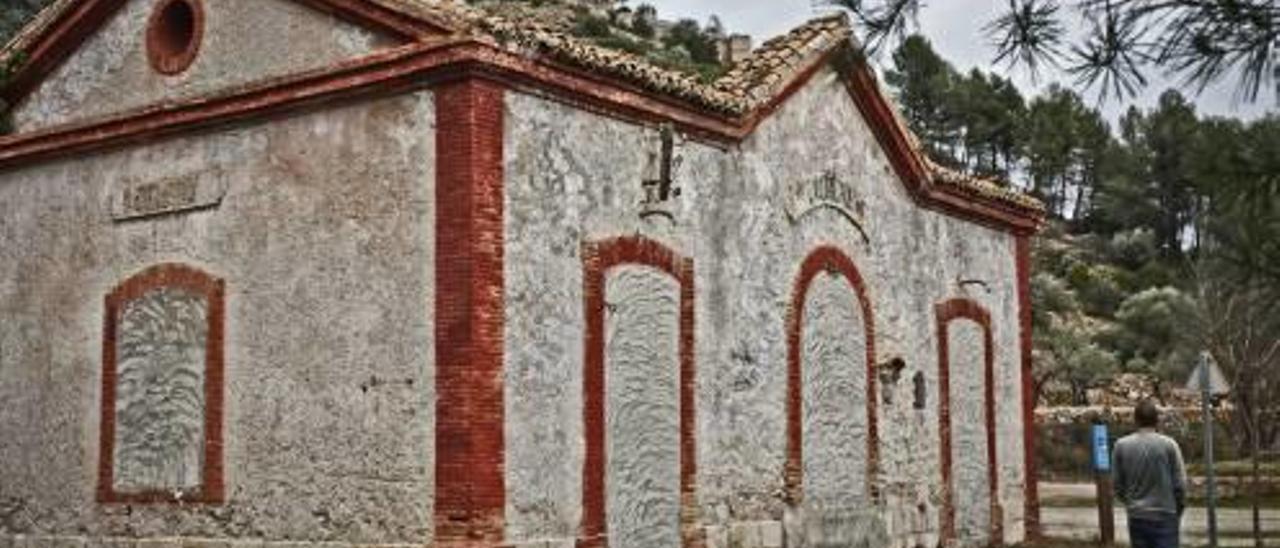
(1164, 231)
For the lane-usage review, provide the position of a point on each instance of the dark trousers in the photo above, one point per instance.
(1154, 533)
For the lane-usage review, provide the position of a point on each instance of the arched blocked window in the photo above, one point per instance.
(638, 396)
(967, 414)
(843, 279)
(162, 388)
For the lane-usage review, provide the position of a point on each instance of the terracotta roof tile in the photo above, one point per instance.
(747, 85)
(29, 33)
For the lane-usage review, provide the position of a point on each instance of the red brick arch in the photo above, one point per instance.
(947, 312)
(213, 290)
(597, 259)
(825, 259)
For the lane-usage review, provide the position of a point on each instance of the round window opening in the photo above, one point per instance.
(173, 35)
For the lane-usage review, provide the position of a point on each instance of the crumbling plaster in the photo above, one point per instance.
(244, 41)
(325, 241)
(573, 176)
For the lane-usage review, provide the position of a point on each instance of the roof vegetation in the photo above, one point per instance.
(684, 45)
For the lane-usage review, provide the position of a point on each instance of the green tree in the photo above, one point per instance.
(924, 81)
(642, 21)
(1065, 144)
(1236, 169)
(1155, 327)
(1066, 351)
(700, 45)
(1170, 133)
(988, 111)
(1201, 41)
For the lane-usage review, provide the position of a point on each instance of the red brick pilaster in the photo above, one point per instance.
(213, 291)
(1031, 490)
(597, 259)
(832, 260)
(946, 312)
(470, 482)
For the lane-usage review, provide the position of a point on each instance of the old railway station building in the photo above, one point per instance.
(402, 272)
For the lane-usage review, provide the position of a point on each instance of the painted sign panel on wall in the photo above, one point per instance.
(826, 190)
(141, 199)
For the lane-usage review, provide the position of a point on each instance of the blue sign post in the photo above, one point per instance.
(1101, 455)
(1102, 481)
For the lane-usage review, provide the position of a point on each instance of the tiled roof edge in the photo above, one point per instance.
(33, 29)
(747, 86)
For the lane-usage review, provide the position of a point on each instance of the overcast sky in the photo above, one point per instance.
(955, 28)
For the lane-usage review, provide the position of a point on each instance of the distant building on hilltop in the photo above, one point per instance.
(733, 48)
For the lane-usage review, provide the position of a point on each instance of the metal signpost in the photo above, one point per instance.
(1102, 480)
(1206, 395)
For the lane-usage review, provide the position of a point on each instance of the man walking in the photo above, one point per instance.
(1151, 481)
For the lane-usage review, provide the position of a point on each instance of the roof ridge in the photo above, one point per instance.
(749, 84)
(33, 28)
(535, 37)
(756, 78)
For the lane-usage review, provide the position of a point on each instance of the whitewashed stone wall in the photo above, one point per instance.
(160, 404)
(571, 178)
(834, 369)
(244, 41)
(642, 424)
(968, 432)
(574, 177)
(325, 241)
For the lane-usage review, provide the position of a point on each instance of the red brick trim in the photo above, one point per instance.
(73, 26)
(378, 17)
(470, 484)
(831, 260)
(908, 162)
(213, 290)
(947, 312)
(1031, 490)
(381, 73)
(597, 259)
(170, 58)
(55, 43)
(424, 63)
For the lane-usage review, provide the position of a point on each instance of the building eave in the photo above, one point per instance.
(590, 77)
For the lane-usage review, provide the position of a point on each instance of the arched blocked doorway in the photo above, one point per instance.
(830, 370)
(966, 423)
(162, 388)
(639, 474)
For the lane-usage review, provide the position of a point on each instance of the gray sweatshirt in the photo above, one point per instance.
(1150, 477)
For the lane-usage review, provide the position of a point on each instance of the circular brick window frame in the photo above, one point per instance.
(174, 34)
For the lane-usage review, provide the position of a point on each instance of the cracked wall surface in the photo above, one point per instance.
(160, 393)
(642, 414)
(833, 395)
(324, 240)
(244, 41)
(574, 177)
(968, 433)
